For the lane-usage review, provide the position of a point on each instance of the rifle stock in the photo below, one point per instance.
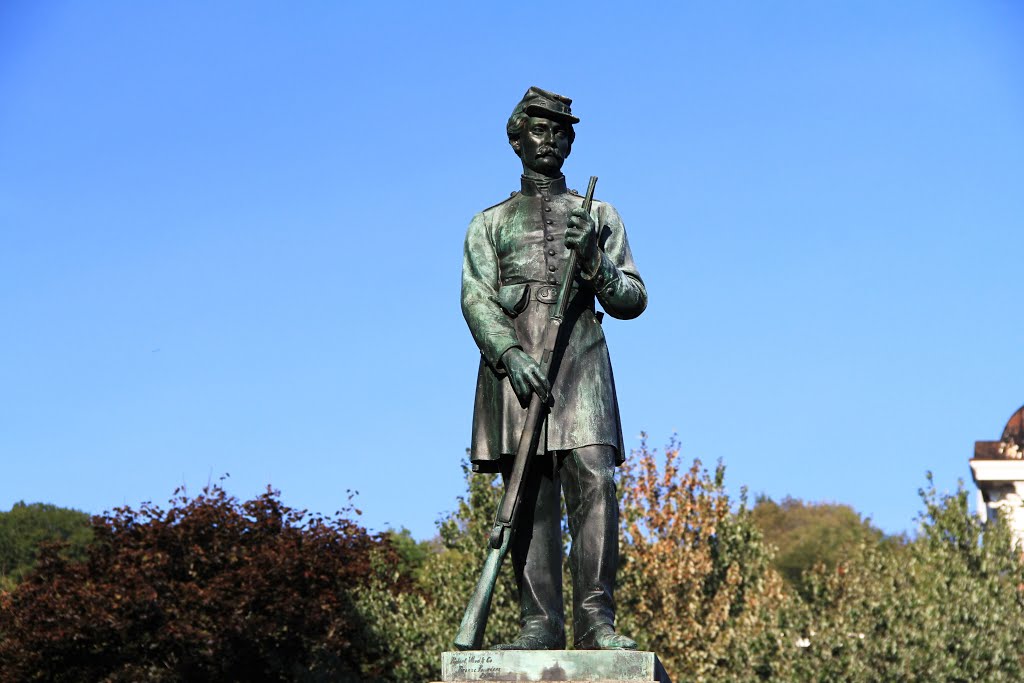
(474, 619)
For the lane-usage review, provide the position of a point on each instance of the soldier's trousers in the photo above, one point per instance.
(585, 475)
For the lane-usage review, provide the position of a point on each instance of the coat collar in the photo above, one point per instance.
(533, 187)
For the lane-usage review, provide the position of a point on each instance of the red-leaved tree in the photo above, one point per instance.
(211, 589)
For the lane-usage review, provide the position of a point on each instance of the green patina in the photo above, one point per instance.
(535, 268)
(551, 665)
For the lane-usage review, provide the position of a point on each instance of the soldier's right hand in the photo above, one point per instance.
(525, 375)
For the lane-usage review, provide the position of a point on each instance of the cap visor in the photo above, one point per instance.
(542, 111)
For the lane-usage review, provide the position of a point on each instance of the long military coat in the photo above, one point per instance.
(513, 262)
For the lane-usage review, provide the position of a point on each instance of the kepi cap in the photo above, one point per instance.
(540, 102)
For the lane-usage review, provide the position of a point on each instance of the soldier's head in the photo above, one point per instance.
(540, 131)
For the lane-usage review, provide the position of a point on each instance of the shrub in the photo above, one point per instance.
(947, 607)
(210, 589)
(420, 623)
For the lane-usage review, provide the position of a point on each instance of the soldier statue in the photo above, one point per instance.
(515, 255)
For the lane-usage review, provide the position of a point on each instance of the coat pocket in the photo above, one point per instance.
(513, 298)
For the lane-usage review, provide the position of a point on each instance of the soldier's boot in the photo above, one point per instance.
(604, 637)
(589, 485)
(542, 639)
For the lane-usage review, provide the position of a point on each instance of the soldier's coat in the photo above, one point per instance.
(514, 251)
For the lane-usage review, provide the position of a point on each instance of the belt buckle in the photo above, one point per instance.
(547, 294)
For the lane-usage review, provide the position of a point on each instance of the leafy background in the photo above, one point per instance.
(213, 588)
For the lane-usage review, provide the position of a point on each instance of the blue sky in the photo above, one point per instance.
(231, 235)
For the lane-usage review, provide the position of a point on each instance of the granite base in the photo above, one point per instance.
(591, 666)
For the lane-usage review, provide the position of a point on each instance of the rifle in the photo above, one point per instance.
(474, 620)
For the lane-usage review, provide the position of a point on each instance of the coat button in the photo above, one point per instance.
(547, 208)
(551, 280)
(551, 252)
(550, 238)
(547, 199)
(549, 222)
(552, 268)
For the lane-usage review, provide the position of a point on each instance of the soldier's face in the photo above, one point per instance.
(543, 146)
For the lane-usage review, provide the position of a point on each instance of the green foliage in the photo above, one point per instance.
(209, 589)
(947, 607)
(412, 554)
(214, 589)
(26, 527)
(420, 623)
(805, 534)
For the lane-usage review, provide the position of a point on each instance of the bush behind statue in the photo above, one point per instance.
(694, 580)
(946, 607)
(419, 624)
(213, 589)
(697, 585)
(210, 589)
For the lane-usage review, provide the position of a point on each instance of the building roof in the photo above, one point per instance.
(1010, 445)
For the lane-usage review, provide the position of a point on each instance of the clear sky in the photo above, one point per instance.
(231, 239)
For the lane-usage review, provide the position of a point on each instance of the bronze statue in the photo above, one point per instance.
(516, 253)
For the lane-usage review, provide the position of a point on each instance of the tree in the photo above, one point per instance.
(947, 608)
(210, 589)
(25, 527)
(805, 534)
(695, 580)
(420, 623)
(412, 554)
(213, 589)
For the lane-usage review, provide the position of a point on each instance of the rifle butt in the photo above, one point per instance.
(474, 620)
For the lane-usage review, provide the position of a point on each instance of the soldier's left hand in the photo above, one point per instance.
(581, 235)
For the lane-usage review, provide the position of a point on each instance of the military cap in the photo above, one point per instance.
(546, 104)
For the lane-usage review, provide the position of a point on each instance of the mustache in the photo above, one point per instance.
(547, 150)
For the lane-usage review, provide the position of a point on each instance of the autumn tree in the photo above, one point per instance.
(210, 589)
(213, 589)
(697, 586)
(695, 581)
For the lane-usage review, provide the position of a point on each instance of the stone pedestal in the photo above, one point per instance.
(592, 666)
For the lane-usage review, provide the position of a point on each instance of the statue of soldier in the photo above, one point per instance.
(515, 256)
